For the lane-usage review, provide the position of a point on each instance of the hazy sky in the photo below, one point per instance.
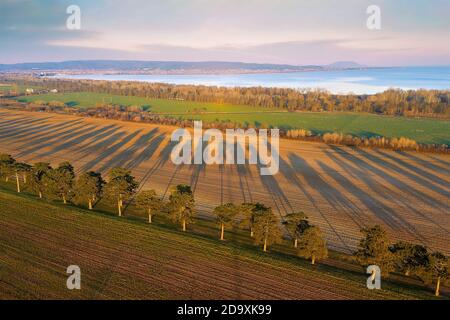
(413, 32)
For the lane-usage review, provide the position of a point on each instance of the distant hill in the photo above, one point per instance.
(129, 65)
(344, 65)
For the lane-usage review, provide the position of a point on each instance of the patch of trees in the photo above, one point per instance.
(430, 103)
(409, 259)
(263, 225)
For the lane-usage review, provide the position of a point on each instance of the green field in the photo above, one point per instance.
(7, 87)
(422, 130)
(124, 258)
(88, 100)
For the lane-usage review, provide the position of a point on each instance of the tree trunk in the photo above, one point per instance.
(251, 232)
(90, 204)
(149, 215)
(17, 182)
(265, 244)
(119, 207)
(24, 178)
(313, 259)
(40, 194)
(222, 227)
(295, 243)
(438, 285)
(184, 224)
(64, 199)
(6, 179)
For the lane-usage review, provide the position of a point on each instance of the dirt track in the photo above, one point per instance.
(340, 188)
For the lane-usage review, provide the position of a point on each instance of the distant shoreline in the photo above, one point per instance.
(359, 81)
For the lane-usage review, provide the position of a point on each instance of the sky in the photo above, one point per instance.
(414, 32)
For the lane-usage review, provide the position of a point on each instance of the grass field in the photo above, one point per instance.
(88, 100)
(7, 87)
(123, 258)
(421, 130)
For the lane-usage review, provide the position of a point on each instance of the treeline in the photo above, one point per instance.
(136, 114)
(263, 225)
(430, 103)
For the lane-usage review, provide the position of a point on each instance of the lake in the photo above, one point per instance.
(364, 81)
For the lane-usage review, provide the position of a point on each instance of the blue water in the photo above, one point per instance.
(366, 81)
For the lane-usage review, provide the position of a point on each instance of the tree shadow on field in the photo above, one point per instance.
(77, 140)
(360, 171)
(419, 176)
(244, 173)
(398, 184)
(90, 146)
(51, 140)
(332, 196)
(197, 169)
(110, 149)
(121, 158)
(20, 122)
(281, 201)
(25, 129)
(41, 132)
(428, 164)
(147, 152)
(380, 210)
(159, 163)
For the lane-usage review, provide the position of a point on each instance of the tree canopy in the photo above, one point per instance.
(373, 249)
(182, 205)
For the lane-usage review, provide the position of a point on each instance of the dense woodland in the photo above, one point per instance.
(430, 103)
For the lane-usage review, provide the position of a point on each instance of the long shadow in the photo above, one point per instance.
(163, 157)
(97, 145)
(77, 140)
(428, 164)
(50, 140)
(109, 152)
(37, 132)
(147, 152)
(20, 122)
(417, 170)
(375, 186)
(398, 184)
(279, 198)
(197, 168)
(120, 159)
(291, 175)
(44, 136)
(86, 148)
(17, 130)
(243, 172)
(383, 212)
